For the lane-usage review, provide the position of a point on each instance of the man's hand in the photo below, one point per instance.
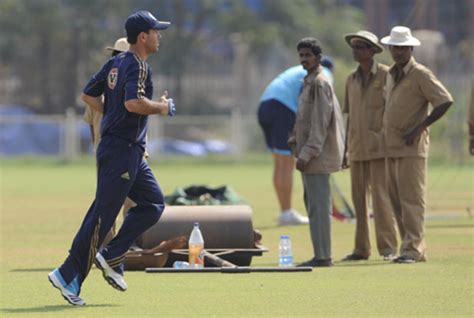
(412, 135)
(436, 114)
(292, 144)
(145, 106)
(345, 164)
(171, 107)
(301, 164)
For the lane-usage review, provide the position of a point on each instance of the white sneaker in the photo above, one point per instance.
(69, 292)
(292, 217)
(112, 277)
(389, 257)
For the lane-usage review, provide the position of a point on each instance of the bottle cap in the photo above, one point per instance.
(284, 236)
(196, 223)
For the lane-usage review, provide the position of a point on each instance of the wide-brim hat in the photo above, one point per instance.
(120, 45)
(365, 36)
(400, 36)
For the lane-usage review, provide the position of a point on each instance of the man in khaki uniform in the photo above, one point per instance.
(93, 118)
(317, 141)
(364, 105)
(410, 88)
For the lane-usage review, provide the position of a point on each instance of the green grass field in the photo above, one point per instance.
(43, 202)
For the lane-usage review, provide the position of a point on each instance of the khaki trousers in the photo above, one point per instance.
(407, 189)
(368, 176)
(127, 205)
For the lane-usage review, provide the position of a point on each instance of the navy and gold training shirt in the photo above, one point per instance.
(123, 77)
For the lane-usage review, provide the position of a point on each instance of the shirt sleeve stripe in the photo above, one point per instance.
(141, 78)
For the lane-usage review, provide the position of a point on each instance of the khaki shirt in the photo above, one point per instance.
(365, 105)
(407, 106)
(318, 134)
(93, 118)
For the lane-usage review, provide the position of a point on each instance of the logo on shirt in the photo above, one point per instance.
(112, 78)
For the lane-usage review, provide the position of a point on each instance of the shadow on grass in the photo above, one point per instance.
(361, 264)
(336, 264)
(267, 227)
(28, 270)
(449, 226)
(49, 308)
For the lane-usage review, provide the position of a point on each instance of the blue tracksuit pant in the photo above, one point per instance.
(122, 172)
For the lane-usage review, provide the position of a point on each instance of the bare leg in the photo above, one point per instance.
(283, 179)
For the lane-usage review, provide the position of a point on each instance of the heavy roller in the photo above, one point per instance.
(227, 230)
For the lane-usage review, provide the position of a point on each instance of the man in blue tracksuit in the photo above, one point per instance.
(125, 83)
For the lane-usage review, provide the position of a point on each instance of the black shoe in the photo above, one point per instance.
(354, 257)
(316, 263)
(403, 259)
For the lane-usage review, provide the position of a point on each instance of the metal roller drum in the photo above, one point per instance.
(222, 226)
(227, 231)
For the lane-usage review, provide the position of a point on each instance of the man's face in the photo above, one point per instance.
(152, 40)
(308, 60)
(401, 54)
(361, 50)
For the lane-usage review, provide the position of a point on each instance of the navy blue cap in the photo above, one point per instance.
(142, 21)
(327, 62)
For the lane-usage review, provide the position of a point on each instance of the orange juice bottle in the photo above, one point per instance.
(196, 248)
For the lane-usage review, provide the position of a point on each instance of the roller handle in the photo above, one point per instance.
(216, 260)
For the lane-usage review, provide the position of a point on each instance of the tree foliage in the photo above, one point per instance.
(50, 47)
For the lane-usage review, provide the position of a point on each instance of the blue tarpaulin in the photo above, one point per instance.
(27, 137)
(44, 137)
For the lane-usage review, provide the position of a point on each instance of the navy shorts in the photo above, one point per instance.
(277, 122)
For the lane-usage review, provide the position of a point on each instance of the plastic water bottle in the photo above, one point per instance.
(180, 265)
(196, 248)
(285, 252)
